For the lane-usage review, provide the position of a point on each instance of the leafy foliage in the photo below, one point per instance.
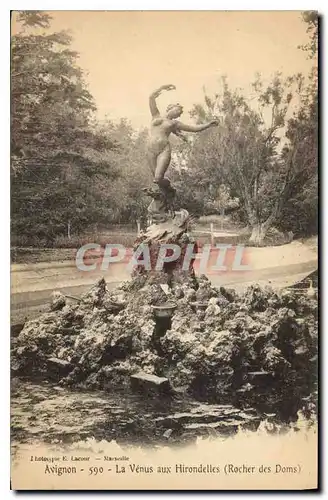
(300, 213)
(66, 168)
(243, 152)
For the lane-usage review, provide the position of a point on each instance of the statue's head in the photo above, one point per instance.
(174, 110)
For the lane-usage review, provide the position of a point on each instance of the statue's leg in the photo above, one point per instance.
(163, 162)
(152, 161)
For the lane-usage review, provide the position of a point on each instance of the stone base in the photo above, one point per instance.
(150, 384)
(58, 368)
(173, 231)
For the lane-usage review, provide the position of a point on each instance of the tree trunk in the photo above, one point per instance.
(258, 233)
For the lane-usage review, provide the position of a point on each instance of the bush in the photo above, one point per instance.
(76, 241)
(210, 219)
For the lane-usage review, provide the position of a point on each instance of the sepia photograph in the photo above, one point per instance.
(164, 250)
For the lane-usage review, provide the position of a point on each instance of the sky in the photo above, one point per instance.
(127, 54)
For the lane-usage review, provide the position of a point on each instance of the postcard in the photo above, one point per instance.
(164, 250)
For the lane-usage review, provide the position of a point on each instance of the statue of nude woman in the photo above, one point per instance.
(159, 149)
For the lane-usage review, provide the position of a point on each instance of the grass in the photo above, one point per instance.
(32, 249)
(119, 238)
(205, 239)
(31, 255)
(64, 248)
(242, 236)
(239, 235)
(226, 222)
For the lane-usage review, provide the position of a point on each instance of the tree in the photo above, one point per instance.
(300, 213)
(189, 189)
(129, 160)
(222, 199)
(311, 19)
(57, 159)
(243, 152)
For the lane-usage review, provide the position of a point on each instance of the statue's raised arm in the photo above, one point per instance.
(153, 96)
(195, 128)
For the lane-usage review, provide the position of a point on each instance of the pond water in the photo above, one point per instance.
(44, 412)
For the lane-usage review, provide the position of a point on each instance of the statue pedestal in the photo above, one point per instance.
(173, 231)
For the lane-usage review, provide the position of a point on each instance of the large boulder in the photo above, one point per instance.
(219, 345)
(150, 384)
